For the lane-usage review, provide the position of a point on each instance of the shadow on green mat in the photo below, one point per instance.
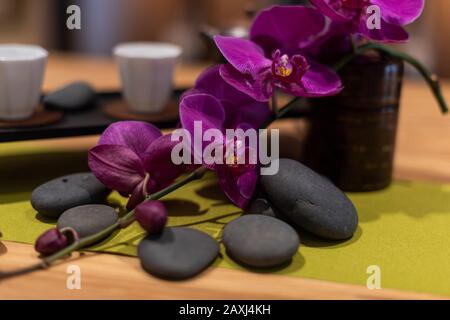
(44, 219)
(213, 192)
(183, 208)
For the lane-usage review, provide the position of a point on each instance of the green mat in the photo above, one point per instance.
(404, 230)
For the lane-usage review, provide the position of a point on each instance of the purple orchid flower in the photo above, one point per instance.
(274, 59)
(224, 107)
(134, 158)
(238, 181)
(240, 108)
(354, 15)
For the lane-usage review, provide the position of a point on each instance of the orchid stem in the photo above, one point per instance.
(283, 111)
(195, 175)
(121, 223)
(431, 79)
(353, 44)
(275, 105)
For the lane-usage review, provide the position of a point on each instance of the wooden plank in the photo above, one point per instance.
(106, 276)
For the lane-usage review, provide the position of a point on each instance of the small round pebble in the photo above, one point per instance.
(54, 197)
(177, 253)
(260, 241)
(72, 97)
(88, 219)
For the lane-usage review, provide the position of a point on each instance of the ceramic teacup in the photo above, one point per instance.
(146, 71)
(22, 70)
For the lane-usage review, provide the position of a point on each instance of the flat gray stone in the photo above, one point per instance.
(54, 197)
(73, 97)
(260, 241)
(177, 253)
(88, 219)
(310, 201)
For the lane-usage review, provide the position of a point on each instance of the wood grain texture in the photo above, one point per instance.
(106, 276)
(423, 153)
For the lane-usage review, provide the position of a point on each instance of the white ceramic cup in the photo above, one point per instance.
(146, 71)
(22, 70)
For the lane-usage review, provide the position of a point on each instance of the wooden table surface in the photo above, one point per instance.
(423, 153)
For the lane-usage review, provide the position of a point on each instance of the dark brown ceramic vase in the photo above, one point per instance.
(352, 135)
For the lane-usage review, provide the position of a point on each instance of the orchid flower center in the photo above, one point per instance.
(238, 157)
(287, 68)
(283, 67)
(232, 161)
(354, 4)
(231, 157)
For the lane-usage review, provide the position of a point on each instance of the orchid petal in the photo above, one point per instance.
(287, 28)
(335, 13)
(259, 87)
(117, 167)
(243, 54)
(203, 108)
(207, 111)
(389, 33)
(400, 12)
(136, 135)
(232, 188)
(212, 83)
(318, 81)
(158, 161)
(246, 184)
(254, 113)
(239, 107)
(333, 44)
(321, 81)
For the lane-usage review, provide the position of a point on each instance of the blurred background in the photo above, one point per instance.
(108, 22)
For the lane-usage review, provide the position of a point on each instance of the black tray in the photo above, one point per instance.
(87, 122)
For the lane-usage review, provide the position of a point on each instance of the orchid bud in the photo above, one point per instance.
(151, 215)
(51, 241)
